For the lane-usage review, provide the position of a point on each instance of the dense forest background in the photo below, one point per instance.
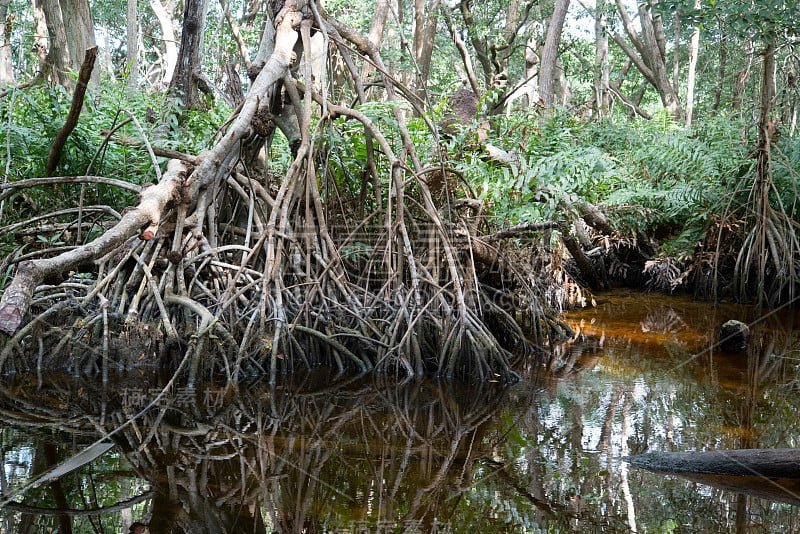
(464, 166)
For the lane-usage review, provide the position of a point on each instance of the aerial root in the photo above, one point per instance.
(215, 256)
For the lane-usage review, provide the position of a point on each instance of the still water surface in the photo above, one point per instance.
(318, 454)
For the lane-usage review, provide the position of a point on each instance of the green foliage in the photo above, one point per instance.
(37, 115)
(763, 18)
(786, 174)
(654, 177)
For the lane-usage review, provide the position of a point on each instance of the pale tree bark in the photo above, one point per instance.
(694, 49)
(649, 52)
(376, 30)
(79, 29)
(676, 46)
(601, 65)
(6, 66)
(58, 53)
(40, 42)
(132, 43)
(547, 69)
(185, 82)
(169, 56)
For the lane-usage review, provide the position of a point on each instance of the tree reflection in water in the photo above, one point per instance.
(293, 458)
(372, 455)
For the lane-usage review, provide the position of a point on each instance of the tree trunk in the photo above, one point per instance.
(676, 46)
(185, 83)
(694, 49)
(40, 42)
(763, 185)
(169, 57)
(58, 52)
(547, 69)
(770, 474)
(376, 32)
(79, 29)
(478, 42)
(6, 66)
(132, 42)
(425, 20)
(743, 75)
(648, 53)
(602, 69)
(777, 463)
(528, 90)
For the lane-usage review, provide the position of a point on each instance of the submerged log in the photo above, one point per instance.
(772, 474)
(784, 463)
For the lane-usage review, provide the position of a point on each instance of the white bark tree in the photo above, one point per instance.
(426, 16)
(6, 66)
(694, 50)
(169, 52)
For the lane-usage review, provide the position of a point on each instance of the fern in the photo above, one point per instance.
(587, 171)
(678, 157)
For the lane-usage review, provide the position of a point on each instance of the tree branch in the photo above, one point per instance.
(9, 188)
(74, 110)
(646, 71)
(237, 35)
(154, 200)
(35, 510)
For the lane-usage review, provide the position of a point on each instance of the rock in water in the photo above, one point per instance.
(733, 336)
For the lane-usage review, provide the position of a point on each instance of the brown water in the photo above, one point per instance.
(323, 455)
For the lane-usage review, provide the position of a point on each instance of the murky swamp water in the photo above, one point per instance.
(316, 454)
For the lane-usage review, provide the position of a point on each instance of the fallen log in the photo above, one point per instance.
(523, 228)
(769, 463)
(772, 474)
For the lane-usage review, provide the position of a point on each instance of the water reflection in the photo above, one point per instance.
(307, 457)
(366, 456)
